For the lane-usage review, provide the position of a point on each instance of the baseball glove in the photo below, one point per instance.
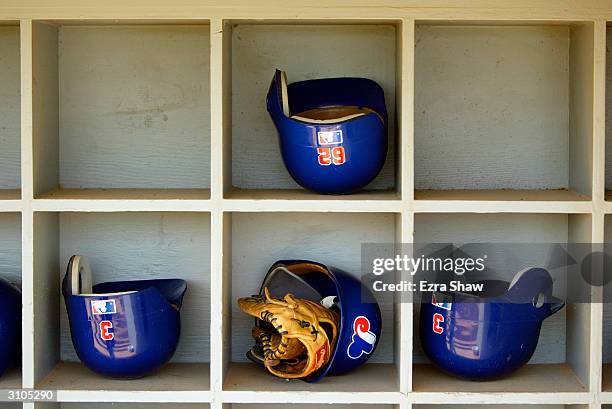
(294, 337)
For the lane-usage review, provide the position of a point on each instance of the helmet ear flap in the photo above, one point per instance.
(78, 276)
(284, 93)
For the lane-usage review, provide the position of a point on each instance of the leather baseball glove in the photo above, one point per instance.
(294, 337)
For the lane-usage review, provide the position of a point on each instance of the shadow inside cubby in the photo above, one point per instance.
(122, 246)
(304, 51)
(11, 405)
(10, 112)
(503, 111)
(258, 240)
(10, 269)
(123, 110)
(561, 360)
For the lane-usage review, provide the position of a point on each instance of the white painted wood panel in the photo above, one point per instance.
(581, 108)
(506, 228)
(607, 306)
(10, 108)
(43, 248)
(304, 52)
(134, 106)
(260, 239)
(132, 246)
(10, 247)
(609, 108)
(43, 81)
(492, 107)
(254, 240)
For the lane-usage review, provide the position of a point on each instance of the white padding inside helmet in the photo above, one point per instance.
(81, 276)
(284, 94)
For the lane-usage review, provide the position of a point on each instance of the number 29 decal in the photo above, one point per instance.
(331, 156)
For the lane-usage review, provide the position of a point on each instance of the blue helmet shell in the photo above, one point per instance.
(123, 329)
(487, 337)
(333, 156)
(10, 325)
(360, 318)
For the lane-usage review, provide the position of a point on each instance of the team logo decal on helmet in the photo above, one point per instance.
(100, 307)
(363, 340)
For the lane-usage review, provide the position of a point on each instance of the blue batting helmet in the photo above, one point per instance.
(360, 318)
(123, 329)
(332, 132)
(10, 324)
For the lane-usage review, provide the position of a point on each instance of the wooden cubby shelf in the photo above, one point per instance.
(127, 110)
(137, 134)
(256, 49)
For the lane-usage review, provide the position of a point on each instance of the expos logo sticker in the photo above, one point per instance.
(362, 340)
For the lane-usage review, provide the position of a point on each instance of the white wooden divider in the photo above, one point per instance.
(212, 373)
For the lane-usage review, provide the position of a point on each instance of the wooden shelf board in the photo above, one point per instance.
(608, 202)
(503, 195)
(376, 378)
(117, 200)
(10, 200)
(126, 194)
(284, 200)
(10, 194)
(74, 376)
(303, 194)
(501, 201)
(536, 378)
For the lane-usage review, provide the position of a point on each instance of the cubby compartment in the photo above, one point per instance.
(503, 111)
(121, 111)
(10, 112)
(561, 362)
(305, 50)
(10, 269)
(122, 246)
(255, 241)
